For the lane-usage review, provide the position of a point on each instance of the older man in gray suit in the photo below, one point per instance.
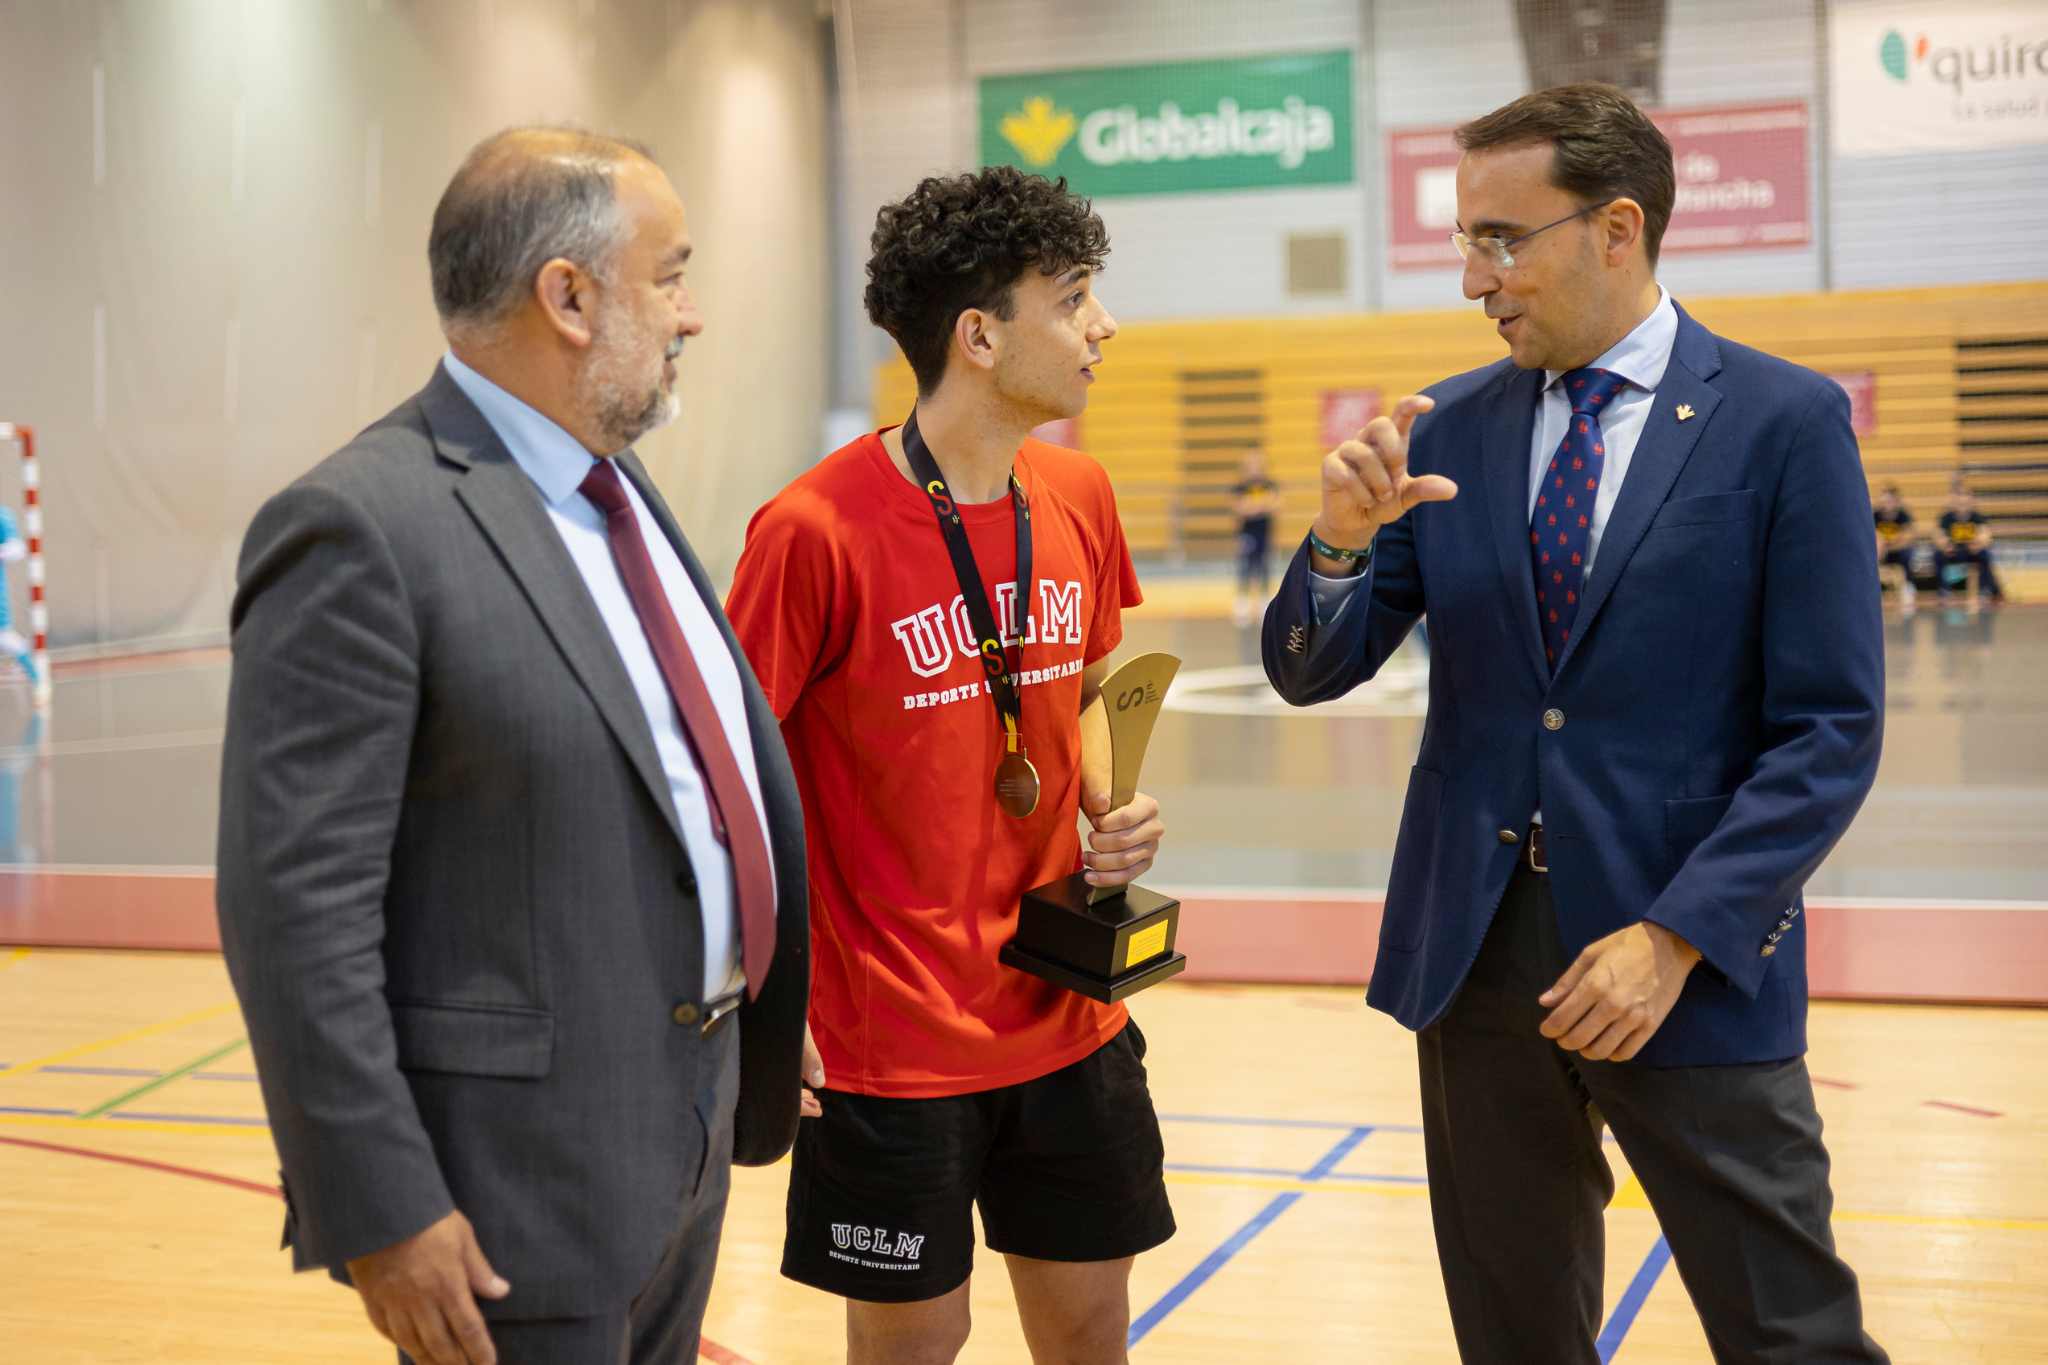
(511, 860)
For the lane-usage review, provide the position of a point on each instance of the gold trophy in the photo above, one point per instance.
(1107, 942)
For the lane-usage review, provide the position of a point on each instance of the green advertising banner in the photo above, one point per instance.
(1177, 127)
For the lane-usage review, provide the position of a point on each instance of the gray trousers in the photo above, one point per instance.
(1730, 1157)
(662, 1322)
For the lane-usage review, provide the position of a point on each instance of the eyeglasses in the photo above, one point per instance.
(1499, 251)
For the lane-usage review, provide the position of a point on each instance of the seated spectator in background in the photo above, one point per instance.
(1895, 539)
(1257, 498)
(1966, 539)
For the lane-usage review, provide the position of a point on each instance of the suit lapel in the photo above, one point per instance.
(1661, 452)
(508, 508)
(1504, 473)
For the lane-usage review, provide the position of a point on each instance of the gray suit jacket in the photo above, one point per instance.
(453, 896)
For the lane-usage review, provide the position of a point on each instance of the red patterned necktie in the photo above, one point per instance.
(1561, 528)
(732, 807)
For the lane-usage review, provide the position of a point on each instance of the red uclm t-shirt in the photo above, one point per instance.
(847, 605)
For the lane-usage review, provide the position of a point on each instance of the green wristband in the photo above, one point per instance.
(1342, 556)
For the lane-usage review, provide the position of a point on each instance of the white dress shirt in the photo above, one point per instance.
(557, 463)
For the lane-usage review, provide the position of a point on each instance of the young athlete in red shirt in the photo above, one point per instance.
(953, 1079)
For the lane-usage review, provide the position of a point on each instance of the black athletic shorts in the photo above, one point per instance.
(1067, 1167)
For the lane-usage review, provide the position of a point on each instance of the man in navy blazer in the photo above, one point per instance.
(1656, 702)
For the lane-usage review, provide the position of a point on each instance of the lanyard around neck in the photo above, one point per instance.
(999, 662)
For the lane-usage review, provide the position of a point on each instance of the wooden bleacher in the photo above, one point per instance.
(1961, 386)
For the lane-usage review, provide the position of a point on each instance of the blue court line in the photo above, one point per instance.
(1283, 1173)
(1253, 1121)
(1345, 1146)
(1639, 1288)
(236, 1122)
(1213, 1262)
(1239, 1240)
(99, 1071)
(136, 1116)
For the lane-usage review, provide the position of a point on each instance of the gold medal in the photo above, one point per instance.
(1016, 779)
(1016, 785)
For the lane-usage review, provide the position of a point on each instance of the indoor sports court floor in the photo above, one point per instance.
(138, 1188)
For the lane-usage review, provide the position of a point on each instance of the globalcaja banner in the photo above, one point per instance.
(1742, 184)
(1178, 127)
(1937, 76)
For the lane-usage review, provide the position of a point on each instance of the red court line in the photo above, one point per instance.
(707, 1348)
(188, 1172)
(1963, 1109)
(1834, 1085)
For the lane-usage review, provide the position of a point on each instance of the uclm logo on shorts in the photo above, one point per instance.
(878, 1241)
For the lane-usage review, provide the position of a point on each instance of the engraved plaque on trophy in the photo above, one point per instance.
(1107, 942)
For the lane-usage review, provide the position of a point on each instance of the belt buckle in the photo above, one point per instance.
(716, 1012)
(1539, 858)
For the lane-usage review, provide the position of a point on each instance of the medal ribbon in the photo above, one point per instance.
(1000, 663)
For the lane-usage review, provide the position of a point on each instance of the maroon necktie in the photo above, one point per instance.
(732, 808)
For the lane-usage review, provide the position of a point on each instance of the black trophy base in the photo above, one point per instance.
(1109, 990)
(1105, 950)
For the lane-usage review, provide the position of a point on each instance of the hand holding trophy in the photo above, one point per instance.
(1107, 942)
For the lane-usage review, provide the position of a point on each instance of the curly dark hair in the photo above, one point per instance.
(963, 241)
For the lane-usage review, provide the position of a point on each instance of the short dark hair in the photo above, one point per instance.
(1605, 148)
(963, 241)
(520, 199)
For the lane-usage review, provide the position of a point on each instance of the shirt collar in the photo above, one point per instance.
(1643, 355)
(555, 461)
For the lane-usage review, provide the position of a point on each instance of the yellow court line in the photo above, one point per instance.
(148, 1030)
(8, 961)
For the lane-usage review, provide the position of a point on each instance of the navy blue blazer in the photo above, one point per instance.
(1711, 729)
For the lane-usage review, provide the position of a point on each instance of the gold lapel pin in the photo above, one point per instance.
(1685, 412)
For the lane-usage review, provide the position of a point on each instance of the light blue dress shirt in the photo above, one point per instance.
(1641, 358)
(557, 463)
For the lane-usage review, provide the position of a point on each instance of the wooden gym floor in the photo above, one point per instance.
(138, 1205)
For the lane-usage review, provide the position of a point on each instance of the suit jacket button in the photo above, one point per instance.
(685, 1014)
(1553, 719)
(1767, 950)
(1508, 836)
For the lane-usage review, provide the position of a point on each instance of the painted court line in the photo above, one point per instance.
(118, 1159)
(1632, 1298)
(1970, 1109)
(146, 1031)
(1213, 1262)
(1239, 1240)
(707, 1348)
(163, 1080)
(1282, 1173)
(10, 958)
(1255, 1121)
